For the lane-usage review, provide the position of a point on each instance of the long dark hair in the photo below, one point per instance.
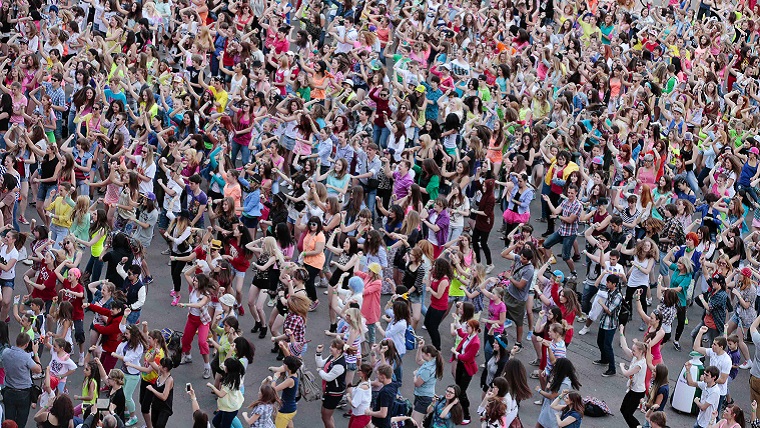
(436, 354)
(135, 337)
(101, 222)
(63, 410)
(563, 368)
(233, 371)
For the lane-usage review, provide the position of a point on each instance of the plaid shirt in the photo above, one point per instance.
(297, 325)
(610, 321)
(672, 231)
(57, 96)
(570, 208)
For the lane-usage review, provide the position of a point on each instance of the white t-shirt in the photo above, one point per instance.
(351, 36)
(172, 203)
(636, 382)
(709, 395)
(5, 257)
(150, 172)
(723, 363)
(618, 269)
(60, 366)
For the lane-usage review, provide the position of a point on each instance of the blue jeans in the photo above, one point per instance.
(83, 188)
(371, 202)
(223, 419)
(589, 291)
(380, 136)
(71, 126)
(604, 341)
(57, 233)
(245, 153)
(133, 317)
(567, 243)
(751, 193)
(15, 217)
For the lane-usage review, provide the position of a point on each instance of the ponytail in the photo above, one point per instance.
(432, 350)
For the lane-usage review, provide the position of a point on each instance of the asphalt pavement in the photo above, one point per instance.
(583, 350)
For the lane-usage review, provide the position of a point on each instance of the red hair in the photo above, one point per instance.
(693, 238)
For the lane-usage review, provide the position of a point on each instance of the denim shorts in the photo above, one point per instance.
(7, 283)
(44, 191)
(421, 404)
(239, 274)
(351, 366)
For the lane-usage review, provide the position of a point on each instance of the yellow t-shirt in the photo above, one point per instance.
(221, 97)
(63, 211)
(154, 355)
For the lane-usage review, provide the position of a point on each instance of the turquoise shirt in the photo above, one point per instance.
(680, 280)
(426, 372)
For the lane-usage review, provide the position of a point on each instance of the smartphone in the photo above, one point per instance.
(187, 387)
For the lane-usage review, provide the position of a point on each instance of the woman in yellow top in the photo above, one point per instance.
(150, 366)
(60, 210)
(90, 387)
(114, 33)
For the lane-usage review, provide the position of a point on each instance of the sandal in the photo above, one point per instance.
(535, 362)
(534, 375)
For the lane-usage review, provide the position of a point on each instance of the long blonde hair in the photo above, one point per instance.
(80, 209)
(411, 223)
(269, 246)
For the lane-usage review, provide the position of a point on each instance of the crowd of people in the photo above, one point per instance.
(356, 162)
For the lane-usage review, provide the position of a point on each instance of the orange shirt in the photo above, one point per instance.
(310, 244)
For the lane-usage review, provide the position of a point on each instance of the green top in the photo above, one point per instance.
(680, 280)
(433, 184)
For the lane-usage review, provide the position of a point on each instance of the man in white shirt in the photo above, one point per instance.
(717, 357)
(345, 33)
(708, 402)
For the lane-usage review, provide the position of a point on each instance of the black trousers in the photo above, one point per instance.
(17, 403)
(681, 319)
(628, 407)
(462, 379)
(433, 319)
(480, 241)
(176, 269)
(310, 286)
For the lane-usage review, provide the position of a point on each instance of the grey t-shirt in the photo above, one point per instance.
(145, 235)
(525, 272)
(17, 364)
(755, 369)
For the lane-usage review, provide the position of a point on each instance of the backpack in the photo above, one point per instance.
(308, 388)
(400, 407)
(595, 408)
(410, 338)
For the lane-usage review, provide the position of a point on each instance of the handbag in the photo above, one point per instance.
(372, 183)
(516, 422)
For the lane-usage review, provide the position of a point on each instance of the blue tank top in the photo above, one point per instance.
(289, 397)
(748, 172)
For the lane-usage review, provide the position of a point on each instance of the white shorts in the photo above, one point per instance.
(596, 307)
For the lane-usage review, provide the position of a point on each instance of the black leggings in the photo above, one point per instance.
(176, 268)
(480, 240)
(629, 293)
(555, 198)
(462, 379)
(681, 319)
(629, 406)
(311, 290)
(160, 418)
(433, 319)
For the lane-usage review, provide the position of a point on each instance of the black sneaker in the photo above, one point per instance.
(577, 258)
(677, 346)
(599, 363)
(546, 234)
(609, 373)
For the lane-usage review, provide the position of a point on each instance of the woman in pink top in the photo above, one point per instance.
(653, 336)
(231, 185)
(438, 287)
(371, 297)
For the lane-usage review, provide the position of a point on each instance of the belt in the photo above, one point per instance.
(16, 389)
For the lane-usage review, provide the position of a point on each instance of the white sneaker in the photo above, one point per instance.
(489, 268)
(81, 360)
(747, 365)
(207, 372)
(186, 359)
(583, 331)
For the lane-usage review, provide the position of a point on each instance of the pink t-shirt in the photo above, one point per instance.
(494, 313)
